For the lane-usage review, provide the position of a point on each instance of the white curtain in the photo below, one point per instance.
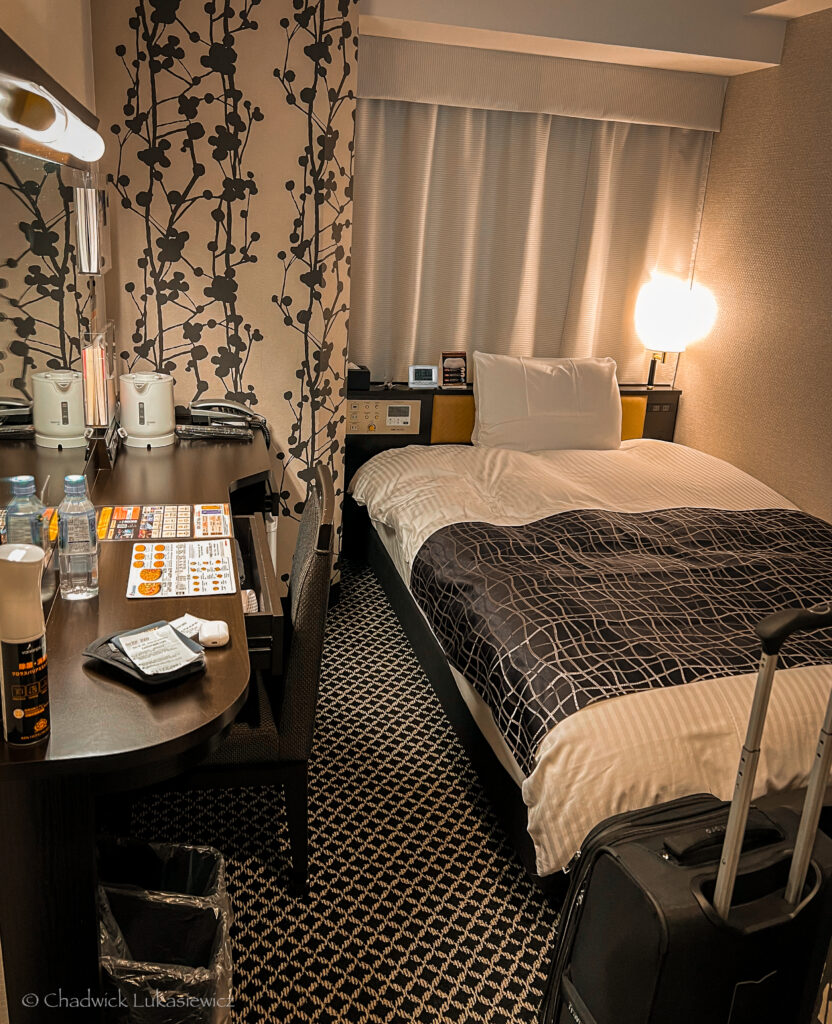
(513, 232)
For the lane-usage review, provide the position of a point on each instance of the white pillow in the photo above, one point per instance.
(534, 405)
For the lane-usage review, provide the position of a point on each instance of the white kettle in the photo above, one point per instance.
(147, 409)
(58, 409)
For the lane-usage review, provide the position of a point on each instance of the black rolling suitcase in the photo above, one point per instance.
(700, 912)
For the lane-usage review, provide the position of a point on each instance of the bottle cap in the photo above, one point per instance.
(75, 483)
(23, 485)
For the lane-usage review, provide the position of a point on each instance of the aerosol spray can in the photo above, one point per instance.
(23, 675)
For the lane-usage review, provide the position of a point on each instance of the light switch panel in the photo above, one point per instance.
(383, 416)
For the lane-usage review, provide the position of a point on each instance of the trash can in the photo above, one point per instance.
(164, 959)
(172, 869)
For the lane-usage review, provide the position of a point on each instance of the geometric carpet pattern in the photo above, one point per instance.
(418, 909)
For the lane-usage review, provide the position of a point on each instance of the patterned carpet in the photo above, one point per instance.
(418, 910)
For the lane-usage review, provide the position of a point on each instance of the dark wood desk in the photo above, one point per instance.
(188, 472)
(105, 735)
(48, 466)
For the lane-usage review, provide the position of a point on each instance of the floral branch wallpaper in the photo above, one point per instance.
(229, 128)
(45, 304)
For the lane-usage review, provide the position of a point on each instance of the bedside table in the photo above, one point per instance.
(662, 407)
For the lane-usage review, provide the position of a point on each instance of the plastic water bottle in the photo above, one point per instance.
(77, 542)
(25, 523)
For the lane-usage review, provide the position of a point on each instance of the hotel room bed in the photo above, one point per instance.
(596, 607)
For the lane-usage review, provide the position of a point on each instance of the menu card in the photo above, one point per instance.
(163, 522)
(182, 569)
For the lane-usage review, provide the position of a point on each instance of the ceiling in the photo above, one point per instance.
(723, 37)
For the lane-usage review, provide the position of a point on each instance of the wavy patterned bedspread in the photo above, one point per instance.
(552, 616)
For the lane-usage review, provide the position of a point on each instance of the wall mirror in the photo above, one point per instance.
(46, 303)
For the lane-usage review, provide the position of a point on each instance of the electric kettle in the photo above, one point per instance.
(58, 409)
(147, 409)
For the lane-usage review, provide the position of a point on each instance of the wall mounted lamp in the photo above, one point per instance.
(670, 315)
(33, 112)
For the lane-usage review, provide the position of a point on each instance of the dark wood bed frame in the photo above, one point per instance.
(362, 544)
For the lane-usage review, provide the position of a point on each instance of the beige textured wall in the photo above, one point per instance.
(758, 390)
(57, 35)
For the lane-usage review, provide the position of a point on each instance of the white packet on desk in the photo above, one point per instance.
(188, 625)
(157, 650)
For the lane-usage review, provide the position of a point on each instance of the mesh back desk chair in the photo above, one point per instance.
(270, 742)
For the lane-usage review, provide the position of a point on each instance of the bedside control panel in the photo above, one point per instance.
(385, 416)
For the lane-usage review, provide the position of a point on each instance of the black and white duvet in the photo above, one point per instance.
(551, 616)
(576, 592)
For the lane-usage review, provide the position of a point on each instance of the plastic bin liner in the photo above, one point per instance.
(164, 959)
(173, 869)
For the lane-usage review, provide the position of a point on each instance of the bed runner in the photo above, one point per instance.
(547, 618)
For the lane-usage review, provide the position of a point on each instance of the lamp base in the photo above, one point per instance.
(656, 357)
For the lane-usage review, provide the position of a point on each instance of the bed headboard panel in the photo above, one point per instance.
(453, 418)
(438, 417)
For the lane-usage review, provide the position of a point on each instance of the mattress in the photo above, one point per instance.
(626, 751)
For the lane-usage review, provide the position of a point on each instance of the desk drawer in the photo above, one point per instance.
(264, 628)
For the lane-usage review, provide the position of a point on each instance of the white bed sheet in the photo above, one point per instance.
(628, 751)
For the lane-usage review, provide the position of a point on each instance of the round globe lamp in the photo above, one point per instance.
(671, 314)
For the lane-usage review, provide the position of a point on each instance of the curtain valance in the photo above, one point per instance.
(464, 76)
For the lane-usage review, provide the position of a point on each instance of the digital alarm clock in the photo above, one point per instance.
(423, 377)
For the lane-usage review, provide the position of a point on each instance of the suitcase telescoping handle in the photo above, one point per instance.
(773, 631)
